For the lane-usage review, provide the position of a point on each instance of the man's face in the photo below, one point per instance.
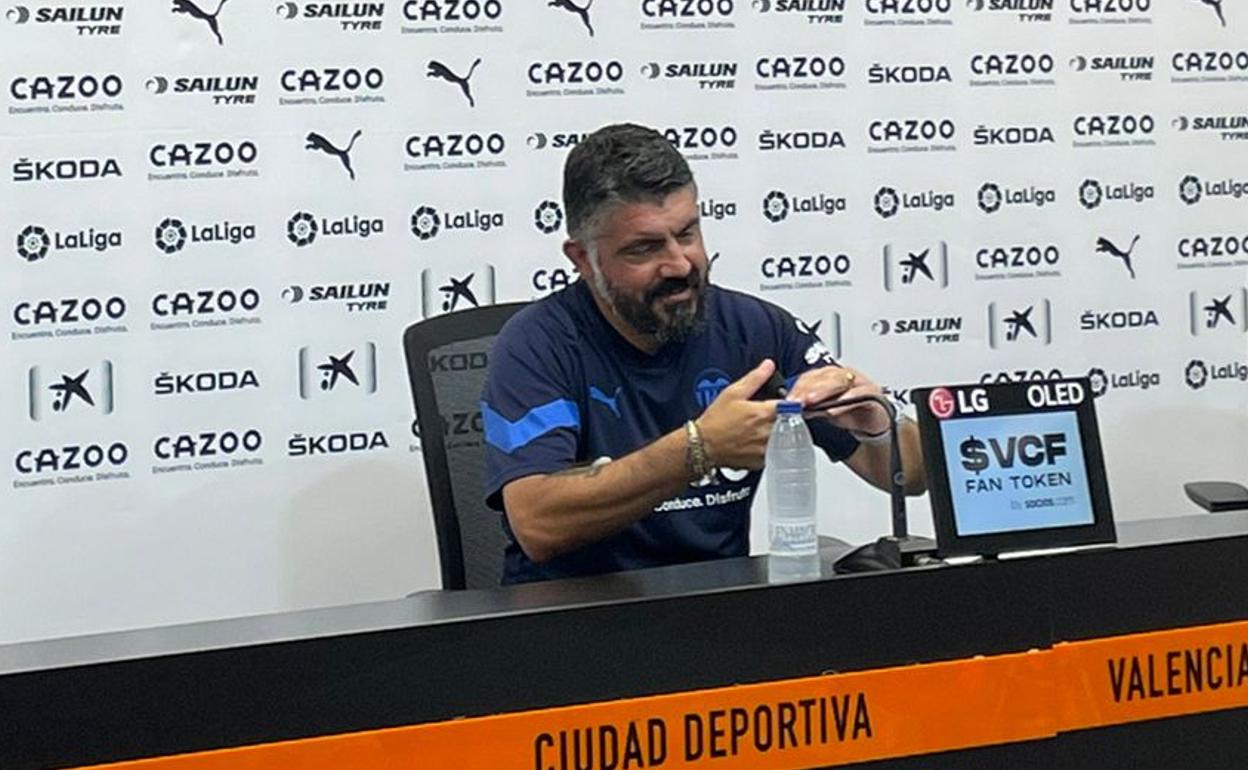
(653, 265)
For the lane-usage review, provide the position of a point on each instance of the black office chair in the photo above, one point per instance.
(446, 364)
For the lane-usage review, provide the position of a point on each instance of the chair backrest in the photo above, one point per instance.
(446, 365)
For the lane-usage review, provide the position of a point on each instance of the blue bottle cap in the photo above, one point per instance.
(789, 407)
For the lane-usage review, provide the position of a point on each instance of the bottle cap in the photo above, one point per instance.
(789, 407)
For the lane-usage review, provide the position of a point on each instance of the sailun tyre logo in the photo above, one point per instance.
(301, 229)
(1090, 194)
(33, 243)
(1189, 190)
(157, 84)
(426, 222)
(886, 202)
(547, 217)
(989, 197)
(170, 235)
(776, 206)
(1196, 374)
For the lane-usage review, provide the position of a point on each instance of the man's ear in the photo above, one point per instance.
(576, 252)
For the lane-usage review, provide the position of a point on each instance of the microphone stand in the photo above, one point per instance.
(900, 549)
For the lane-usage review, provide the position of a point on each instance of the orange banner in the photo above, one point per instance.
(811, 722)
(1150, 676)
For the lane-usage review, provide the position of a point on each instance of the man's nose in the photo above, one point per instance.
(676, 263)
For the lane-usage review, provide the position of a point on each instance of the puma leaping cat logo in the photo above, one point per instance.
(318, 142)
(1217, 8)
(612, 402)
(1105, 246)
(439, 70)
(188, 7)
(582, 11)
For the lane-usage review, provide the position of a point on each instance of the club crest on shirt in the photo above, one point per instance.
(708, 385)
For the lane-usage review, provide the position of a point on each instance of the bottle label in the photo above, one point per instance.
(798, 538)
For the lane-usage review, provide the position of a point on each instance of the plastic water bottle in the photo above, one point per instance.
(794, 553)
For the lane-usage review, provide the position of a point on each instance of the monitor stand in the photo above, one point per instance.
(1217, 496)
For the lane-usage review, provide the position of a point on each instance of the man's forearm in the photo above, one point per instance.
(555, 513)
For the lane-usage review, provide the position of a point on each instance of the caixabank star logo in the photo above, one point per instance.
(72, 392)
(443, 292)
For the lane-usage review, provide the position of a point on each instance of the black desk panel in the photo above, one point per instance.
(441, 655)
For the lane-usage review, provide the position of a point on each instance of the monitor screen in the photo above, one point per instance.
(1015, 472)
(1014, 466)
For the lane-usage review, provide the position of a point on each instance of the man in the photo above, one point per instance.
(619, 420)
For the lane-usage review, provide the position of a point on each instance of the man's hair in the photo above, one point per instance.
(620, 163)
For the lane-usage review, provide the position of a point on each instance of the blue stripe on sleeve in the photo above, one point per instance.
(508, 436)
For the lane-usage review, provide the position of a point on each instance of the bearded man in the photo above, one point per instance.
(622, 429)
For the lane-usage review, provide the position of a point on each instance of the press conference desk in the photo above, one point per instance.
(1013, 634)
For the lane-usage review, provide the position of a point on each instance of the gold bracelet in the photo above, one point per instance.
(697, 461)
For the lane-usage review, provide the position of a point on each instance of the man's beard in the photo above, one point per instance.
(677, 320)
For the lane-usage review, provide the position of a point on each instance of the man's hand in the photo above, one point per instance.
(829, 382)
(734, 428)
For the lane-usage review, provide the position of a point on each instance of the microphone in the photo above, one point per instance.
(900, 549)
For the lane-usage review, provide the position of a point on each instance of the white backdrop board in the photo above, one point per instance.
(214, 214)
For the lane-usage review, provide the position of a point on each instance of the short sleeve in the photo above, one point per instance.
(530, 415)
(802, 350)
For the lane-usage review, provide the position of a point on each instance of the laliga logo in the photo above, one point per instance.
(33, 243)
(288, 10)
(1196, 374)
(989, 197)
(548, 217)
(886, 202)
(293, 294)
(157, 84)
(1090, 194)
(301, 229)
(650, 70)
(18, 14)
(426, 222)
(170, 235)
(775, 206)
(1189, 189)
(941, 402)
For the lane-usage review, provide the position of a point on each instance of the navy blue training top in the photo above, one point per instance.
(564, 388)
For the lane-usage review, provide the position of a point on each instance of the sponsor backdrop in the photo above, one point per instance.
(220, 216)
